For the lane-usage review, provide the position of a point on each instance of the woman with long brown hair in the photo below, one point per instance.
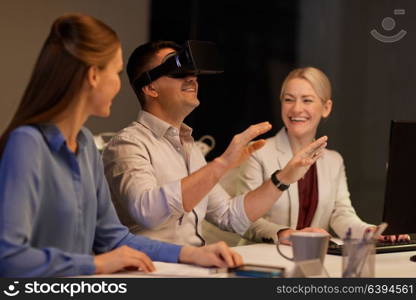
(56, 215)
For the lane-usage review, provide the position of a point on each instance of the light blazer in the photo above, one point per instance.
(334, 207)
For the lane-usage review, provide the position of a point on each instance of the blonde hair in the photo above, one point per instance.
(316, 78)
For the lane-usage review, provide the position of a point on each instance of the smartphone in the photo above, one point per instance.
(259, 271)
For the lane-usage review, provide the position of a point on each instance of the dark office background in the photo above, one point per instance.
(263, 40)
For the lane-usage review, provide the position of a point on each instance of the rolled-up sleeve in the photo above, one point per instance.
(134, 185)
(111, 234)
(228, 214)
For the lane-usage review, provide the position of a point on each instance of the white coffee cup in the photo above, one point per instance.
(307, 246)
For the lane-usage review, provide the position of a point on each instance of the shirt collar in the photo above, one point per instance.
(55, 139)
(160, 128)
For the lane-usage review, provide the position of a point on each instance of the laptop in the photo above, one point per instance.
(400, 193)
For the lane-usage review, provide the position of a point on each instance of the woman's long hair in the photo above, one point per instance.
(75, 43)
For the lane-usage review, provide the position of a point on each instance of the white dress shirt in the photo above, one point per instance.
(144, 165)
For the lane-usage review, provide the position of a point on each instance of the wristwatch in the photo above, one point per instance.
(281, 186)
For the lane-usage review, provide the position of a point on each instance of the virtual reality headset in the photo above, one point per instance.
(194, 58)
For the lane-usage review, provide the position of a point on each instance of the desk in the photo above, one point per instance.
(387, 264)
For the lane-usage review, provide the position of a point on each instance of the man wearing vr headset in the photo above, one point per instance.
(160, 182)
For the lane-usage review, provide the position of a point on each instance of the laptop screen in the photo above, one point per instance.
(400, 194)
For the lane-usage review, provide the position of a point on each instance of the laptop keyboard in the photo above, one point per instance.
(381, 247)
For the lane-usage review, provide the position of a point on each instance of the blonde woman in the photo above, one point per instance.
(320, 200)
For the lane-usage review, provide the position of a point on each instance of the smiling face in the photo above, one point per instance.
(302, 109)
(175, 95)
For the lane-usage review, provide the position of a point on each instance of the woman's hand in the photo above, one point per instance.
(388, 238)
(218, 255)
(122, 258)
(301, 161)
(393, 238)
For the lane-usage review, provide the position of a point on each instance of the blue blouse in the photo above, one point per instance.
(55, 207)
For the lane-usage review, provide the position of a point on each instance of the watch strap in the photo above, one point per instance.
(281, 186)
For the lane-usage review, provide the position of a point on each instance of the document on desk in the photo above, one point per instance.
(164, 270)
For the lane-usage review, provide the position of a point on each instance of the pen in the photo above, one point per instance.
(368, 233)
(348, 234)
(357, 253)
